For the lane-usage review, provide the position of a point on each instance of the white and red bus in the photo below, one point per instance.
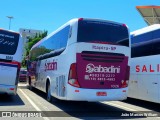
(145, 65)
(84, 60)
(11, 46)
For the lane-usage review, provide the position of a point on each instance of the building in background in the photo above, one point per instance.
(26, 34)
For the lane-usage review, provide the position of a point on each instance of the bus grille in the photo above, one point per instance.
(102, 56)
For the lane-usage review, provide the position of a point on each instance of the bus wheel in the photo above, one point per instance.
(49, 97)
(30, 86)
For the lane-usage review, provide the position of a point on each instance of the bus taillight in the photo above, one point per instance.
(80, 19)
(125, 82)
(124, 25)
(11, 88)
(18, 63)
(127, 72)
(72, 79)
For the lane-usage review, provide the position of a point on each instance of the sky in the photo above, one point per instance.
(51, 14)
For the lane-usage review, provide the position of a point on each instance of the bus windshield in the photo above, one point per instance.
(102, 31)
(8, 42)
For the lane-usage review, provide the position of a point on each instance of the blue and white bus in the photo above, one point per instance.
(145, 64)
(11, 46)
(84, 60)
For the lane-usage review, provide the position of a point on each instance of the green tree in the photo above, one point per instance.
(32, 41)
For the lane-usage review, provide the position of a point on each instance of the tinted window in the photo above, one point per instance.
(146, 44)
(141, 49)
(8, 42)
(141, 38)
(102, 31)
(58, 40)
(141, 45)
(156, 34)
(55, 42)
(156, 42)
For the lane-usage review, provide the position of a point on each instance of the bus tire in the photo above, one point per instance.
(49, 97)
(29, 83)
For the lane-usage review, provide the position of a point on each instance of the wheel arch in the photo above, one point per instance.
(48, 81)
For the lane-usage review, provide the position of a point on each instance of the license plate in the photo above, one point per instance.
(101, 94)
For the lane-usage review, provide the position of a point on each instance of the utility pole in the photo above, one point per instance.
(9, 17)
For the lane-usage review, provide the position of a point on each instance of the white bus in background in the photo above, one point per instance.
(84, 60)
(10, 58)
(145, 64)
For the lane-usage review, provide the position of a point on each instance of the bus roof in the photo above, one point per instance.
(71, 22)
(52, 33)
(145, 29)
(9, 31)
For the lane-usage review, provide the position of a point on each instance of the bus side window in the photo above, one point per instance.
(70, 32)
(142, 45)
(156, 42)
